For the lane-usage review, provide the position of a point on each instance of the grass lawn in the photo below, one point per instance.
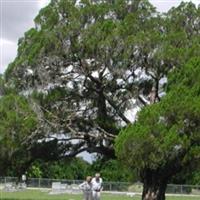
(41, 195)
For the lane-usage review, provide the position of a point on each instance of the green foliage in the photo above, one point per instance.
(34, 170)
(112, 170)
(78, 169)
(195, 179)
(18, 121)
(47, 18)
(74, 169)
(167, 133)
(16, 117)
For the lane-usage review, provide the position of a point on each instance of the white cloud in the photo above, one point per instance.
(90, 157)
(8, 52)
(165, 5)
(16, 18)
(43, 3)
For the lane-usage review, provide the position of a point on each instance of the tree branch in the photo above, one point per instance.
(121, 115)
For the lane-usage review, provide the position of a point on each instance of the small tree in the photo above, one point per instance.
(18, 123)
(165, 138)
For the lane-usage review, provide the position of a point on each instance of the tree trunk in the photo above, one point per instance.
(154, 186)
(154, 192)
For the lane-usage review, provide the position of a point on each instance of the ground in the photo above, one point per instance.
(43, 195)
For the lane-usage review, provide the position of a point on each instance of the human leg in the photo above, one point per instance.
(98, 194)
(88, 196)
(94, 195)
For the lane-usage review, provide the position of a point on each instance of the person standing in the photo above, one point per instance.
(86, 187)
(96, 186)
(24, 179)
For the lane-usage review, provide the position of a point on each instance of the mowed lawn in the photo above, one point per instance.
(42, 195)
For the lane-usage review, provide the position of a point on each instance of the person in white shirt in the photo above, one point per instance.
(86, 187)
(96, 186)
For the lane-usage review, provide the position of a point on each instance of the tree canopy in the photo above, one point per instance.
(165, 139)
(18, 123)
(88, 66)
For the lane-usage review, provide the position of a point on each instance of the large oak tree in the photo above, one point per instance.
(87, 66)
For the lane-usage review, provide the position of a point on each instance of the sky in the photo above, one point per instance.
(16, 17)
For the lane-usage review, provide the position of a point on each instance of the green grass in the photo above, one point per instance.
(43, 195)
